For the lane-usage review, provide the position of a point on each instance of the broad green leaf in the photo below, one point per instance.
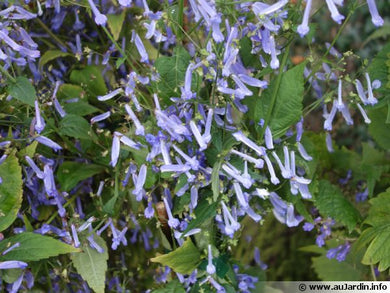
(71, 173)
(80, 108)
(173, 286)
(183, 260)
(377, 237)
(288, 106)
(333, 270)
(11, 275)
(92, 265)
(331, 202)
(52, 55)
(172, 72)
(69, 91)
(75, 126)
(379, 250)
(203, 212)
(34, 247)
(91, 78)
(22, 90)
(28, 150)
(115, 23)
(378, 128)
(10, 191)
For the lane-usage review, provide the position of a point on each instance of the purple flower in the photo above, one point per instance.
(364, 114)
(268, 138)
(308, 226)
(284, 212)
(303, 28)
(36, 169)
(328, 141)
(231, 224)
(239, 136)
(194, 196)
(12, 264)
(371, 99)
(140, 47)
(140, 130)
(100, 117)
(377, 20)
(303, 152)
(233, 172)
(259, 163)
(48, 142)
(172, 222)
(115, 149)
(186, 93)
(75, 236)
(94, 245)
(271, 170)
(210, 266)
(100, 18)
(149, 211)
(110, 95)
(17, 244)
(125, 3)
(39, 122)
(362, 196)
(139, 184)
(336, 16)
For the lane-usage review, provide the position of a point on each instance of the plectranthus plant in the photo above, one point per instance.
(165, 146)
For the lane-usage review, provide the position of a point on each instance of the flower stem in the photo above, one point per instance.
(6, 73)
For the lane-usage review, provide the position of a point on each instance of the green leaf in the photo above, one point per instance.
(331, 202)
(172, 72)
(203, 212)
(378, 128)
(80, 108)
(52, 55)
(172, 287)
(71, 173)
(247, 57)
(34, 247)
(75, 126)
(333, 270)
(10, 191)
(11, 275)
(288, 106)
(378, 236)
(22, 90)
(377, 70)
(69, 91)
(183, 260)
(115, 23)
(92, 265)
(28, 150)
(91, 77)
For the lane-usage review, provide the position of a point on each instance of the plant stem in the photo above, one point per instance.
(180, 19)
(6, 73)
(51, 34)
